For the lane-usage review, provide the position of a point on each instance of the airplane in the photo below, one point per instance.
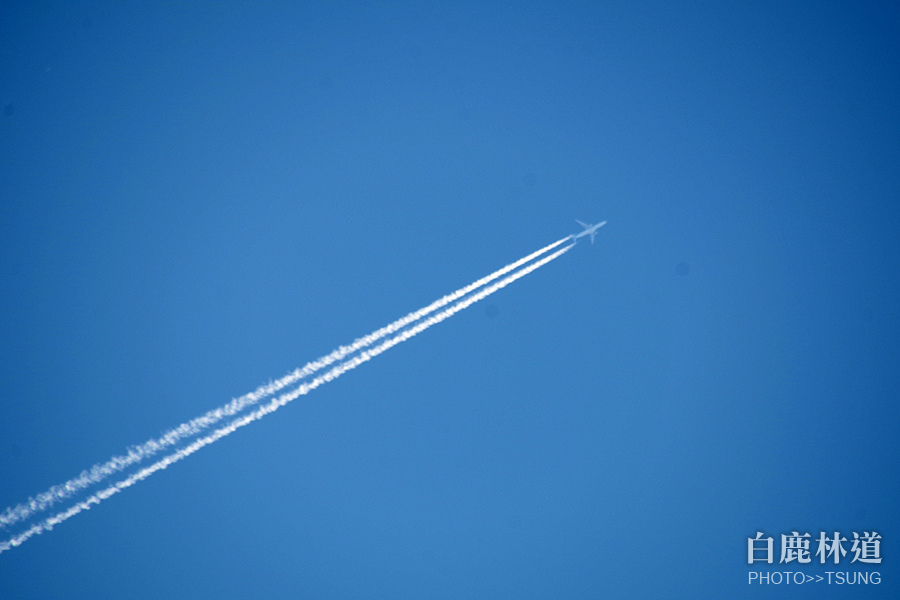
(589, 229)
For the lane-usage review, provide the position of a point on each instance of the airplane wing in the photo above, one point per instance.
(585, 225)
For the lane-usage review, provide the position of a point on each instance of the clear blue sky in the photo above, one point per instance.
(197, 198)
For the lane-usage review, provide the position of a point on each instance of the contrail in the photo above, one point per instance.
(151, 447)
(275, 404)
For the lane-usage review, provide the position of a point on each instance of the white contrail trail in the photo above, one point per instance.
(274, 405)
(136, 454)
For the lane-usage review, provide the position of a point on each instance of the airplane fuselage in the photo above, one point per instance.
(589, 229)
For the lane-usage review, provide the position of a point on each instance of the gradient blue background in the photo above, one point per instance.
(196, 199)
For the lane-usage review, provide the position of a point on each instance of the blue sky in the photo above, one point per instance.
(197, 199)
